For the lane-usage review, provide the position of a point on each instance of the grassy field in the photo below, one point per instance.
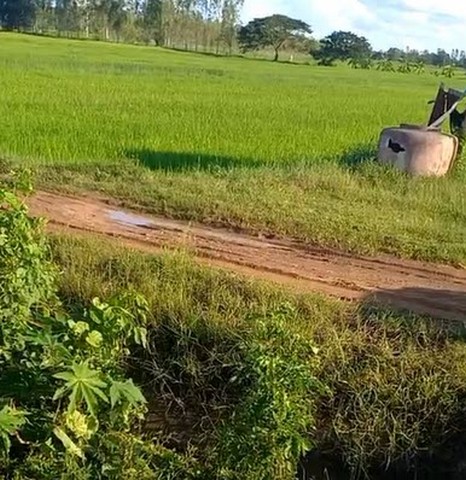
(394, 392)
(278, 148)
(281, 148)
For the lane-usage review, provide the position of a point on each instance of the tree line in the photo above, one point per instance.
(209, 25)
(188, 24)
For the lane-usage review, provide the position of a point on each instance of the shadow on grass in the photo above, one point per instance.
(359, 155)
(182, 161)
(436, 303)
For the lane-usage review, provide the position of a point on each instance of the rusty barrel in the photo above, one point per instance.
(418, 150)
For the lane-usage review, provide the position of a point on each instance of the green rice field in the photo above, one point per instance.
(274, 148)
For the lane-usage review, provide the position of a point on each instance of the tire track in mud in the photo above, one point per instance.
(423, 288)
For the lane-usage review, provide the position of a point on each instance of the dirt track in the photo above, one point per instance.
(422, 288)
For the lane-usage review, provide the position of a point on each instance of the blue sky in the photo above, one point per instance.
(421, 24)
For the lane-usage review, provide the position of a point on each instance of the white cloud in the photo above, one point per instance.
(418, 24)
(258, 8)
(434, 7)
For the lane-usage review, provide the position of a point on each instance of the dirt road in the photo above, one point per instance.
(432, 289)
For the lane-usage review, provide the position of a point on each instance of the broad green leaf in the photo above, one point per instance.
(82, 384)
(127, 391)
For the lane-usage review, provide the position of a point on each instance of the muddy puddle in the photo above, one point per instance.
(129, 219)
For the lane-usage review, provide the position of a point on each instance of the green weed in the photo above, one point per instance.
(66, 402)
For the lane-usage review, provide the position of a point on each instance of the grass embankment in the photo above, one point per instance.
(269, 147)
(391, 393)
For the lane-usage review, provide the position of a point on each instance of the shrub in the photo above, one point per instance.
(270, 429)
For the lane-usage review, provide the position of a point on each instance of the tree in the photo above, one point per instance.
(228, 27)
(68, 16)
(109, 15)
(343, 46)
(153, 20)
(395, 54)
(441, 58)
(17, 13)
(271, 31)
(301, 43)
(44, 15)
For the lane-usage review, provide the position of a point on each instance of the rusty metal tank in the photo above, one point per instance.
(418, 150)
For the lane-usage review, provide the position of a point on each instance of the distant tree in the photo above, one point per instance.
(68, 16)
(229, 20)
(109, 16)
(301, 43)
(441, 58)
(343, 46)
(413, 55)
(462, 59)
(17, 13)
(153, 21)
(395, 54)
(44, 15)
(273, 31)
(378, 56)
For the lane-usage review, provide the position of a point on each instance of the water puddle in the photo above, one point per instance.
(130, 219)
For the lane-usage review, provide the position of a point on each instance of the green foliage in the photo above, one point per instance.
(405, 67)
(385, 65)
(153, 20)
(27, 277)
(364, 63)
(273, 31)
(11, 420)
(62, 382)
(343, 46)
(448, 71)
(83, 385)
(419, 67)
(17, 13)
(244, 398)
(270, 429)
